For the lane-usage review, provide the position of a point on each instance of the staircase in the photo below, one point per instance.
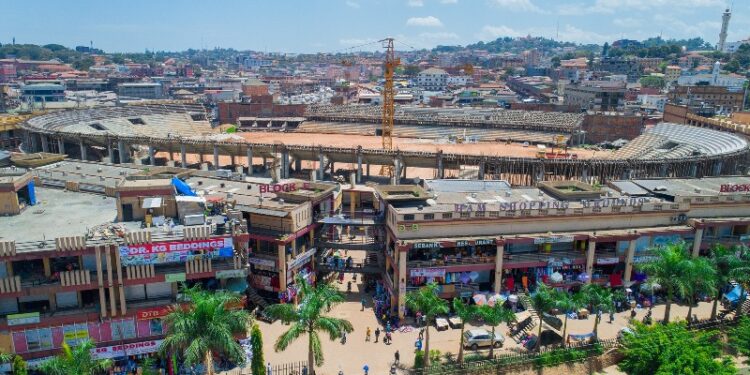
(528, 324)
(255, 298)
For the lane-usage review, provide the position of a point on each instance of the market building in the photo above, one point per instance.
(479, 236)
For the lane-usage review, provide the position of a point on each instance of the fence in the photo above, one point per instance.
(293, 368)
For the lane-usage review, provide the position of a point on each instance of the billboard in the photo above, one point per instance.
(176, 251)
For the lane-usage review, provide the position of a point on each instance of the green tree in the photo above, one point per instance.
(665, 349)
(76, 360)
(667, 269)
(426, 301)
(148, 365)
(653, 82)
(19, 366)
(466, 313)
(493, 316)
(307, 318)
(206, 327)
(739, 337)
(411, 70)
(555, 61)
(700, 278)
(257, 365)
(542, 300)
(567, 303)
(599, 299)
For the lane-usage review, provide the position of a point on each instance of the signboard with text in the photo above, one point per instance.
(176, 251)
(555, 239)
(228, 274)
(152, 313)
(27, 318)
(427, 272)
(116, 351)
(175, 277)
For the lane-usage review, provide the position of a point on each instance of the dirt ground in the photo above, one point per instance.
(352, 356)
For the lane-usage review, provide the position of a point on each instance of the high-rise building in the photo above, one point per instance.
(724, 26)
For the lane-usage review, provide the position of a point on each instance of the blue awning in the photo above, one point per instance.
(182, 188)
(734, 294)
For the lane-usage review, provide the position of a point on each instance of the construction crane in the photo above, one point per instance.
(391, 62)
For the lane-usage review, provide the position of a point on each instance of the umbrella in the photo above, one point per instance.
(513, 298)
(583, 277)
(474, 275)
(496, 299)
(480, 299)
(465, 278)
(556, 277)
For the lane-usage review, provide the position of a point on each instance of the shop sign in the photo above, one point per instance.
(644, 258)
(301, 259)
(125, 350)
(176, 251)
(175, 277)
(75, 332)
(426, 245)
(545, 205)
(462, 243)
(733, 188)
(427, 272)
(552, 262)
(26, 318)
(556, 239)
(470, 207)
(152, 313)
(228, 274)
(484, 242)
(262, 262)
(609, 260)
(279, 188)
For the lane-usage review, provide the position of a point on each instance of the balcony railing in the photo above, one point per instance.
(451, 261)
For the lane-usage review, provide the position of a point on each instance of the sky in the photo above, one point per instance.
(305, 26)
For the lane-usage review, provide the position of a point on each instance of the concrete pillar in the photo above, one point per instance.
(333, 168)
(61, 146)
(151, 155)
(697, 242)
(120, 285)
(45, 143)
(285, 164)
(216, 157)
(282, 266)
(590, 254)
(321, 166)
(396, 171)
(110, 280)
(693, 170)
(122, 150)
(297, 164)
(401, 283)
(368, 170)
(100, 281)
(359, 165)
(718, 165)
(83, 150)
(499, 265)
(663, 170)
(480, 175)
(249, 160)
(34, 146)
(629, 262)
(183, 155)
(110, 152)
(232, 160)
(440, 166)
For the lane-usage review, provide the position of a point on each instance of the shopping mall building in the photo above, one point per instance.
(98, 251)
(475, 236)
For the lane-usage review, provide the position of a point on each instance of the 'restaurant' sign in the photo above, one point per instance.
(734, 188)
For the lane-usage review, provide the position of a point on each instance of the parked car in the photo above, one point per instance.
(476, 338)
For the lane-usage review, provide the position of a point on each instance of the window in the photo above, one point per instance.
(465, 215)
(479, 214)
(428, 217)
(494, 213)
(447, 215)
(408, 217)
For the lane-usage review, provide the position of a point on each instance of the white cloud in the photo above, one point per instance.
(493, 32)
(566, 33)
(615, 6)
(415, 3)
(518, 5)
(428, 21)
(355, 41)
(626, 22)
(439, 36)
(708, 30)
(352, 4)
(449, 1)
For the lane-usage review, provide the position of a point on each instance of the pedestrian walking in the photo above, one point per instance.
(367, 369)
(343, 338)
(377, 333)
(364, 303)
(611, 317)
(304, 370)
(387, 327)
(418, 344)
(421, 334)
(388, 338)
(367, 336)
(397, 357)
(269, 371)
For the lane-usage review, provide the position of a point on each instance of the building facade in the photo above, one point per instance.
(432, 79)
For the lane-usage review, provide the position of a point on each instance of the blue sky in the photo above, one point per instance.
(334, 25)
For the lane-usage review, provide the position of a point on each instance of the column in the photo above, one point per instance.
(45, 143)
(629, 262)
(100, 281)
(151, 155)
(401, 282)
(500, 244)
(216, 157)
(282, 266)
(83, 150)
(718, 165)
(321, 166)
(697, 242)
(368, 170)
(249, 160)
(120, 285)
(480, 175)
(122, 151)
(359, 165)
(590, 258)
(693, 170)
(61, 145)
(396, 171)
(284, 164)
(110, 152)
(440, 167)
(297, 164)
(232, 160)
(183, 155)
(34, 146)
(110, 278)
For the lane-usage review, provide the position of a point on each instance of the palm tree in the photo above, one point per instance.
(427, 301)
(599, 299)
(724, 261)
(667, 269)
(76, 360)
(466, 313)
(494, 316)
(542, 301)
(741, 274)
(700, 277)
(567, 303)
(206, 327)
(307, 318)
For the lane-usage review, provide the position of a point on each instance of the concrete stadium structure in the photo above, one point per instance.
(667, 150)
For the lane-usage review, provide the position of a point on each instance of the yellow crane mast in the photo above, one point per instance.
(391, 62)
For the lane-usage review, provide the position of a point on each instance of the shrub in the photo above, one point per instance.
(256, 344)
(739, 337)
(435, 356)
(418, 358)
(19, 366)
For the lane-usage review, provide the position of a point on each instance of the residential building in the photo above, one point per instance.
(433, 79)
(533, 86)
(596, 95)
(723, 99)
(43, 93)
(671, 74)
(621, 65)
(140, 90)
(730, 81)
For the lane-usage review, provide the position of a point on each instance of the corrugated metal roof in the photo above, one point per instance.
(466, 186)
(261, 211)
